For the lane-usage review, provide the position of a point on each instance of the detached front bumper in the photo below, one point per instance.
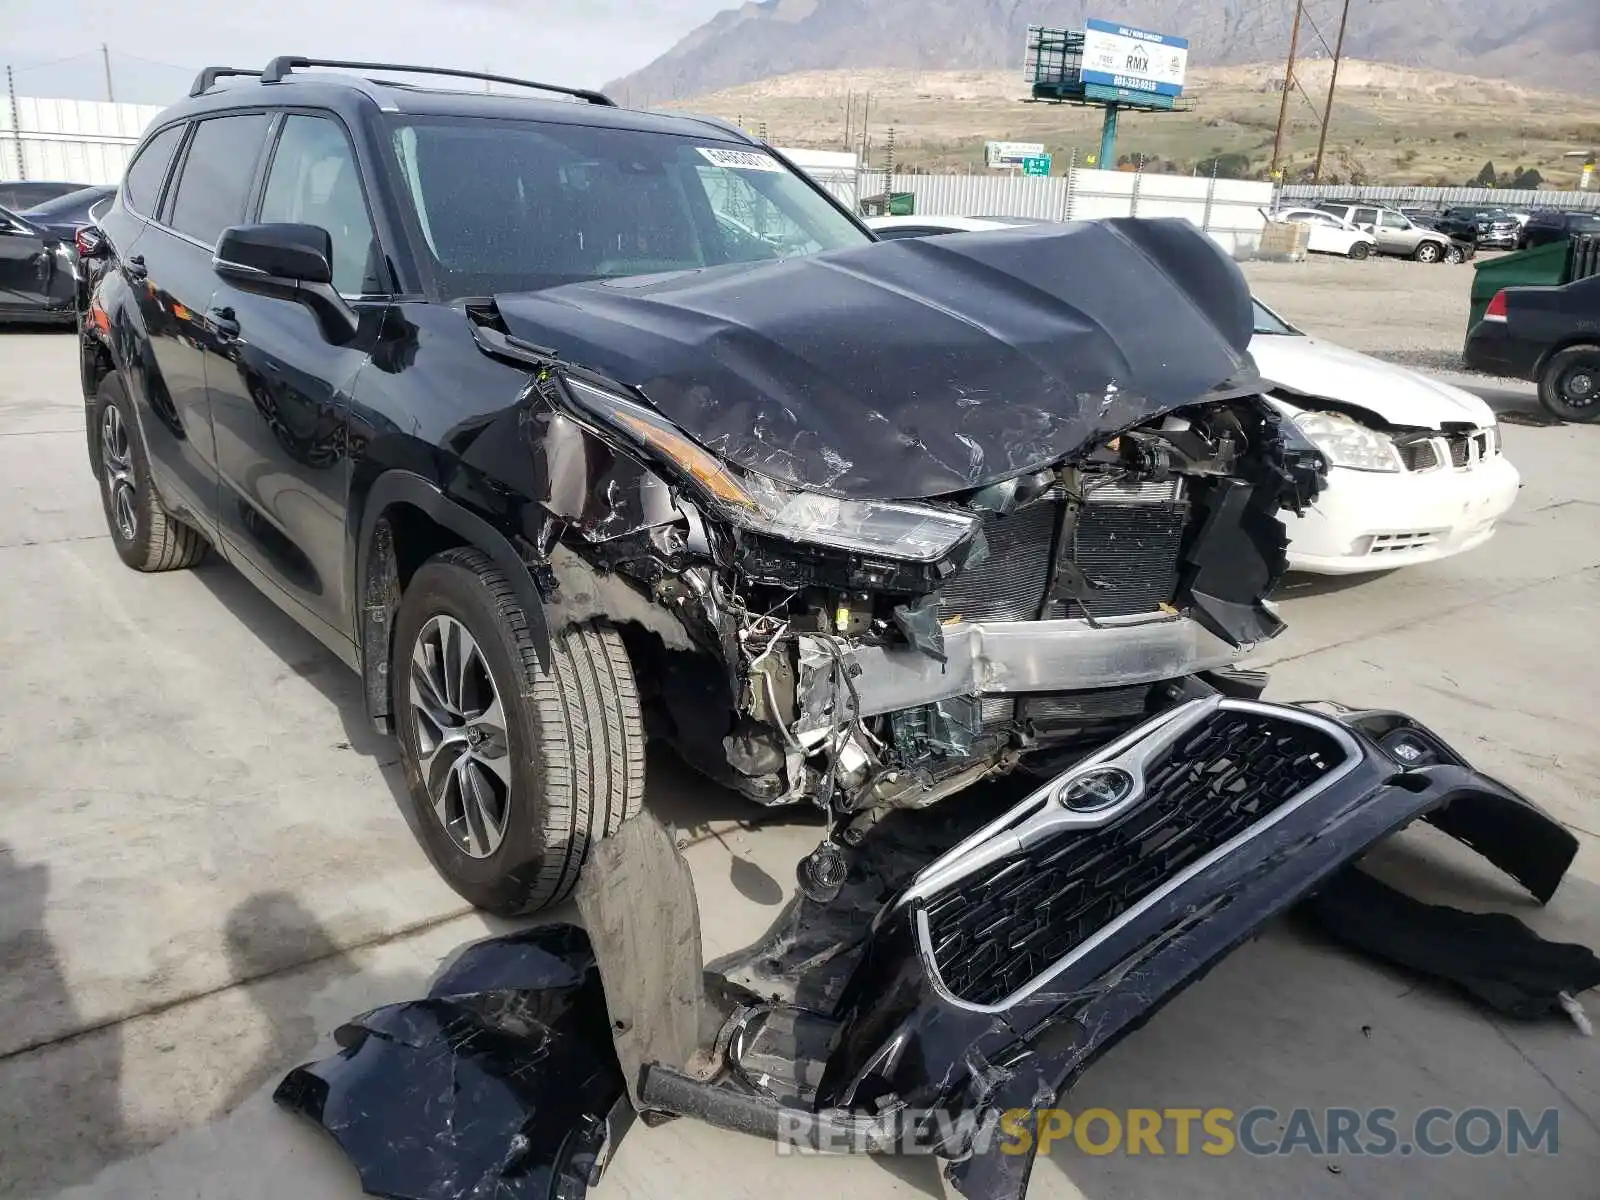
(1371, 521)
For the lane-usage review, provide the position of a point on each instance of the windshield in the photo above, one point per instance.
(1268, 321)
(521, 205)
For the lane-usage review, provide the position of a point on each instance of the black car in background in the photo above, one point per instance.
(37, 277)
(1557, 225)
(21, 194)
(66, 214)
(1550, 335)
(1490, 228)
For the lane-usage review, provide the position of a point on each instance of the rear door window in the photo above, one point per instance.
(217, 172)
(141, 187)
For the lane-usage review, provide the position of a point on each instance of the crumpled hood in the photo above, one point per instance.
(1311, 368)
(918, 367)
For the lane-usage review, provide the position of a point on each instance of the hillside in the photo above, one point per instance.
(1550, 43)
(1391, 124)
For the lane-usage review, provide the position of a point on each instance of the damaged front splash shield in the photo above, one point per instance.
(967, 970)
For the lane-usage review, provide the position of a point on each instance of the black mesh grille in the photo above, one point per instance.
(1002, 927)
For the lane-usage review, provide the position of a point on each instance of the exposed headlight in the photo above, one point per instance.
(1348, 443)
(915, 532)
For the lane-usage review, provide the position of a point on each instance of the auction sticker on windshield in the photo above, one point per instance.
(740, 160)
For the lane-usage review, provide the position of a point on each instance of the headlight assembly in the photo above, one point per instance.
(1348, 443)
(913, 532)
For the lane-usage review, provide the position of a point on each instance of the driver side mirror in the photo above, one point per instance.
(289, 262)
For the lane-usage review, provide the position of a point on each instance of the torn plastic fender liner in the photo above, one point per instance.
(502, 1083)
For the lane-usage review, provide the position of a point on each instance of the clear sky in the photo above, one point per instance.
(156, 48)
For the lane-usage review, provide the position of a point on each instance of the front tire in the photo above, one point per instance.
(1359, 251)
(1428, 252)
(1453, 255)
(1569, 385)
(146, 537)
(511, 771)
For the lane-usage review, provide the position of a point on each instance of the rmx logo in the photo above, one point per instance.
(1138, 62)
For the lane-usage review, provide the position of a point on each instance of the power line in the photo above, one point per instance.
(54, 62)
(1318, 32)
(155, 62)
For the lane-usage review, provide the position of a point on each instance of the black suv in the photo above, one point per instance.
(1548, 225)
(562, 424)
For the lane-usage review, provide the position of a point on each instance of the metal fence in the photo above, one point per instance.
(1229, 210)
(1445, 197)
(84, 141)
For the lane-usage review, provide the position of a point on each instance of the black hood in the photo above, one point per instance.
(918, 367)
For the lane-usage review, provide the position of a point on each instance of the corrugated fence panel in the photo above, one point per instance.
(1445, 196)
(85, 141)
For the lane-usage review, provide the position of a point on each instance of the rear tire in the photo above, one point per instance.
(511, 771)
(1428, 252)
(146, 536)
(1359, 251)
(1569, 384)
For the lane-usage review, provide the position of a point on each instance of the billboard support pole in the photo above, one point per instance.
(1108, 139)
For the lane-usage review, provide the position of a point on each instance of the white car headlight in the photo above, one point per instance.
(1348, 443)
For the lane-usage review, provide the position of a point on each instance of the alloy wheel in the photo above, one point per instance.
(460, 723)
(116, 462)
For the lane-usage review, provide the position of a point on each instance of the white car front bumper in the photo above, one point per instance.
(1373, 521)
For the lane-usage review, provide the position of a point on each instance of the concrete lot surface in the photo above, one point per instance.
(203, 868)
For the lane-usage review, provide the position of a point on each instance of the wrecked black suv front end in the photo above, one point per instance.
(881, 522)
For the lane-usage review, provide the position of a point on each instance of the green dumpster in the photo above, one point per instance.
(890, 204)
(1540, 265)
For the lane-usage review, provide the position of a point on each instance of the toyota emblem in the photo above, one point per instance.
(1097, 789)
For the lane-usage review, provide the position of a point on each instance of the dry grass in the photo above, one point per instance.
(1391, 124)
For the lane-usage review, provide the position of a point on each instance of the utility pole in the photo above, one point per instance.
(1288, 86)
(1333, 81)
(105, 57)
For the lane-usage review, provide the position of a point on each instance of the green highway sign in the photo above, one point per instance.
(1037, 165)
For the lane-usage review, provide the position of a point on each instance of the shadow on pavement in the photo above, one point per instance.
(60, 1108)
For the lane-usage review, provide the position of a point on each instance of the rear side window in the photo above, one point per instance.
(141, 187)
(216, 175)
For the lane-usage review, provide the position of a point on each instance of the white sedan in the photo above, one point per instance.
(1416, 471)
(1329, 235)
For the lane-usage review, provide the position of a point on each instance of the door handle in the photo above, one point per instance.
(135, 267)
(223, 322)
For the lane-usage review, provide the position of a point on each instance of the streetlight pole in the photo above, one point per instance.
(1333, 81)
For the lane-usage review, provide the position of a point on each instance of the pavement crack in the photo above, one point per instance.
(1542, 1073)
(79, 537)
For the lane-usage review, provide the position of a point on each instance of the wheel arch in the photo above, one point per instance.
(405, 520)
(1567, 342)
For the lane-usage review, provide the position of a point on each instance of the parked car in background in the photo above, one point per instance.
(1556, 225)
(1398, 235)
(1425, 215)
(1550, 335)
(1416, 469)
(37, 277)
(1489, 228)
(20, 194)
(66, 214)
(1328, 234)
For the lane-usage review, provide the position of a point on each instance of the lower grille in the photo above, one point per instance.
(993, 932)
(1128, 537)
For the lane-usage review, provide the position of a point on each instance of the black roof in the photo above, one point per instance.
(350, 94)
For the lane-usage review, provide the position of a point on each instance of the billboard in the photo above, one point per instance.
(1010, 154)
(1120, 56)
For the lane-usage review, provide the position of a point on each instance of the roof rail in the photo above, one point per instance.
(278, 68)
(207, 79)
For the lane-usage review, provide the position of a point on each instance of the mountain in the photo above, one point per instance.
(1551, 43)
